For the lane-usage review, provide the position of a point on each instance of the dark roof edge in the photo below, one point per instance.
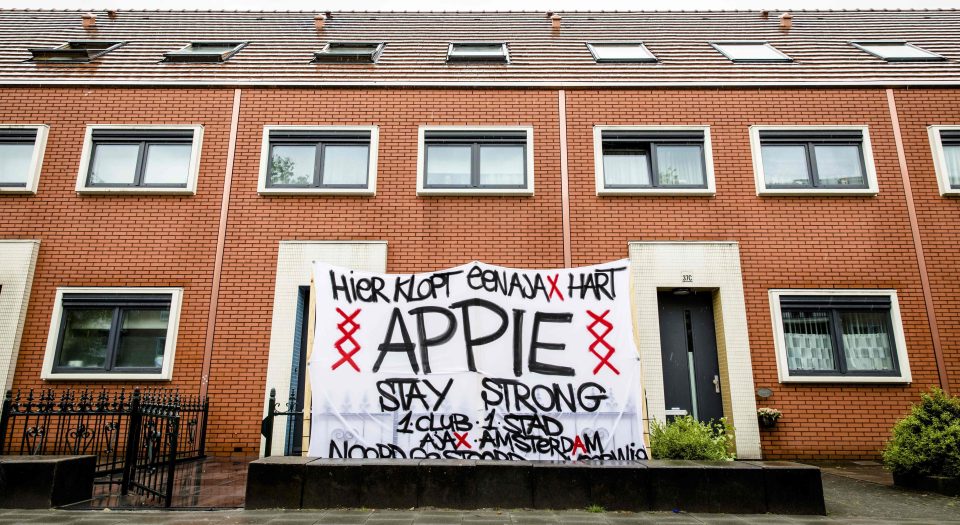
(889, 83)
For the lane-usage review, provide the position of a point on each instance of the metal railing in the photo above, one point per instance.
(273, 412)
(141, 436)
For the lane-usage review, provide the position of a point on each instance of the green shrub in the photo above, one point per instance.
(927, 442)
(687, 438)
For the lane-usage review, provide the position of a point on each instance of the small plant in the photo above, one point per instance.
(927, 442)
(595, 508)
(768, 417)
(687, 438)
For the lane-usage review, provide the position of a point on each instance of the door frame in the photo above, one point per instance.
(703, 265)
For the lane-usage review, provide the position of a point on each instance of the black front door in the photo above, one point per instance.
(298, 374)
(688, 346)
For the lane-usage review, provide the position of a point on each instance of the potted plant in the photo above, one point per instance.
(924, 448)
(768, 417)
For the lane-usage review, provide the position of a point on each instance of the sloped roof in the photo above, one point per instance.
(281, 47)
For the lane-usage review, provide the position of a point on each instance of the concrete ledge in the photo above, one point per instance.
(696, 486)
(43, 482)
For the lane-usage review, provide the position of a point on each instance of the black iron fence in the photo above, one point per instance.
(141, 436)
(273, 412)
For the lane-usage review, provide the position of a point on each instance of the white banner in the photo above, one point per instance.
(476, 362)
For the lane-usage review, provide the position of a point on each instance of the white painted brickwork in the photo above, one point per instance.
(17, 262)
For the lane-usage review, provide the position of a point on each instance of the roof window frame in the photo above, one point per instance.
(653, 59)
(718, 45)
(934, 57)
(324, 56)
(183, 56)
(72, 56)
(503, 58)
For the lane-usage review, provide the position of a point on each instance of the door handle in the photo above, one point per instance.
(716, 383)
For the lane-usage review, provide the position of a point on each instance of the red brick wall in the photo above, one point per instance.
(939, 217)
(116, 240)
(785, 242)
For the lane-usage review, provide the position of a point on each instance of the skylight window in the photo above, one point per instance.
(477, 52)
(204, 52)
(897, 51)
(367, 52)
(74, 51)
(621, 52)
(750, 52)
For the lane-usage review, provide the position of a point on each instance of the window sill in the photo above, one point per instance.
(951, 193)
(896, 380)
(656, 192)
(860, 192)
(136, 191)
(474, 192)
(18, 191)
(345, 192)
(46, 376)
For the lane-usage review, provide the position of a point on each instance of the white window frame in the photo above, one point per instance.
(719, 46)
(932, 57)
(503, 58)
(592, 47)
(780, 345)
(371, 188)
(36, 162)
(421, 167)
(173, 328)
(192, 175)
(940, 162)
(602, 190)
(868, 163)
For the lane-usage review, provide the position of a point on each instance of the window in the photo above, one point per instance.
(467, 160)
(750, 52)
(621, 52)
(113, 333)
(158, 159)
(204, 52)
(318, 160)
(945, 142)
(825, 160)
(478, 52)
(74, 51)
(363, 52)
(851, 335)
(658, 160)
(897, 51)
(21, 154)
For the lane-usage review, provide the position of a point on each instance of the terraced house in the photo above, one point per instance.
(786, 184)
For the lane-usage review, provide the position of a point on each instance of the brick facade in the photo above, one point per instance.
(785, 242)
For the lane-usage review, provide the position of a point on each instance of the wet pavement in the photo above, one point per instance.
(855, 492)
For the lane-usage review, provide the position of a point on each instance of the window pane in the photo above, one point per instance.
(501, 165)
(626, 169)
(143, 335)
(866, 341)
(951, 156)
(839, 165)
(85, 337)
(897, 51)
(345, 165)
(808, 340)
(292, 165)
(785, 166)
(622, 52)
(15, 163)
(114, 163)
(479, 50)
(750, 52)
(448, 165)
(680, 166)
(208, 48)
(167, 164)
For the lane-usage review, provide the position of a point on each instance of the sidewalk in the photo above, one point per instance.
(856, 493)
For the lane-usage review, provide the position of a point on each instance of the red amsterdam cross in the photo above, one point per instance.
(347, 327)
(553, 287)
(462, 439)
(599, 340)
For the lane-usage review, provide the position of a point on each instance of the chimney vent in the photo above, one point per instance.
(112, 14)
(89, 20)
(319, 20)
(555, 21)
(786, 21)
(764, 15)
